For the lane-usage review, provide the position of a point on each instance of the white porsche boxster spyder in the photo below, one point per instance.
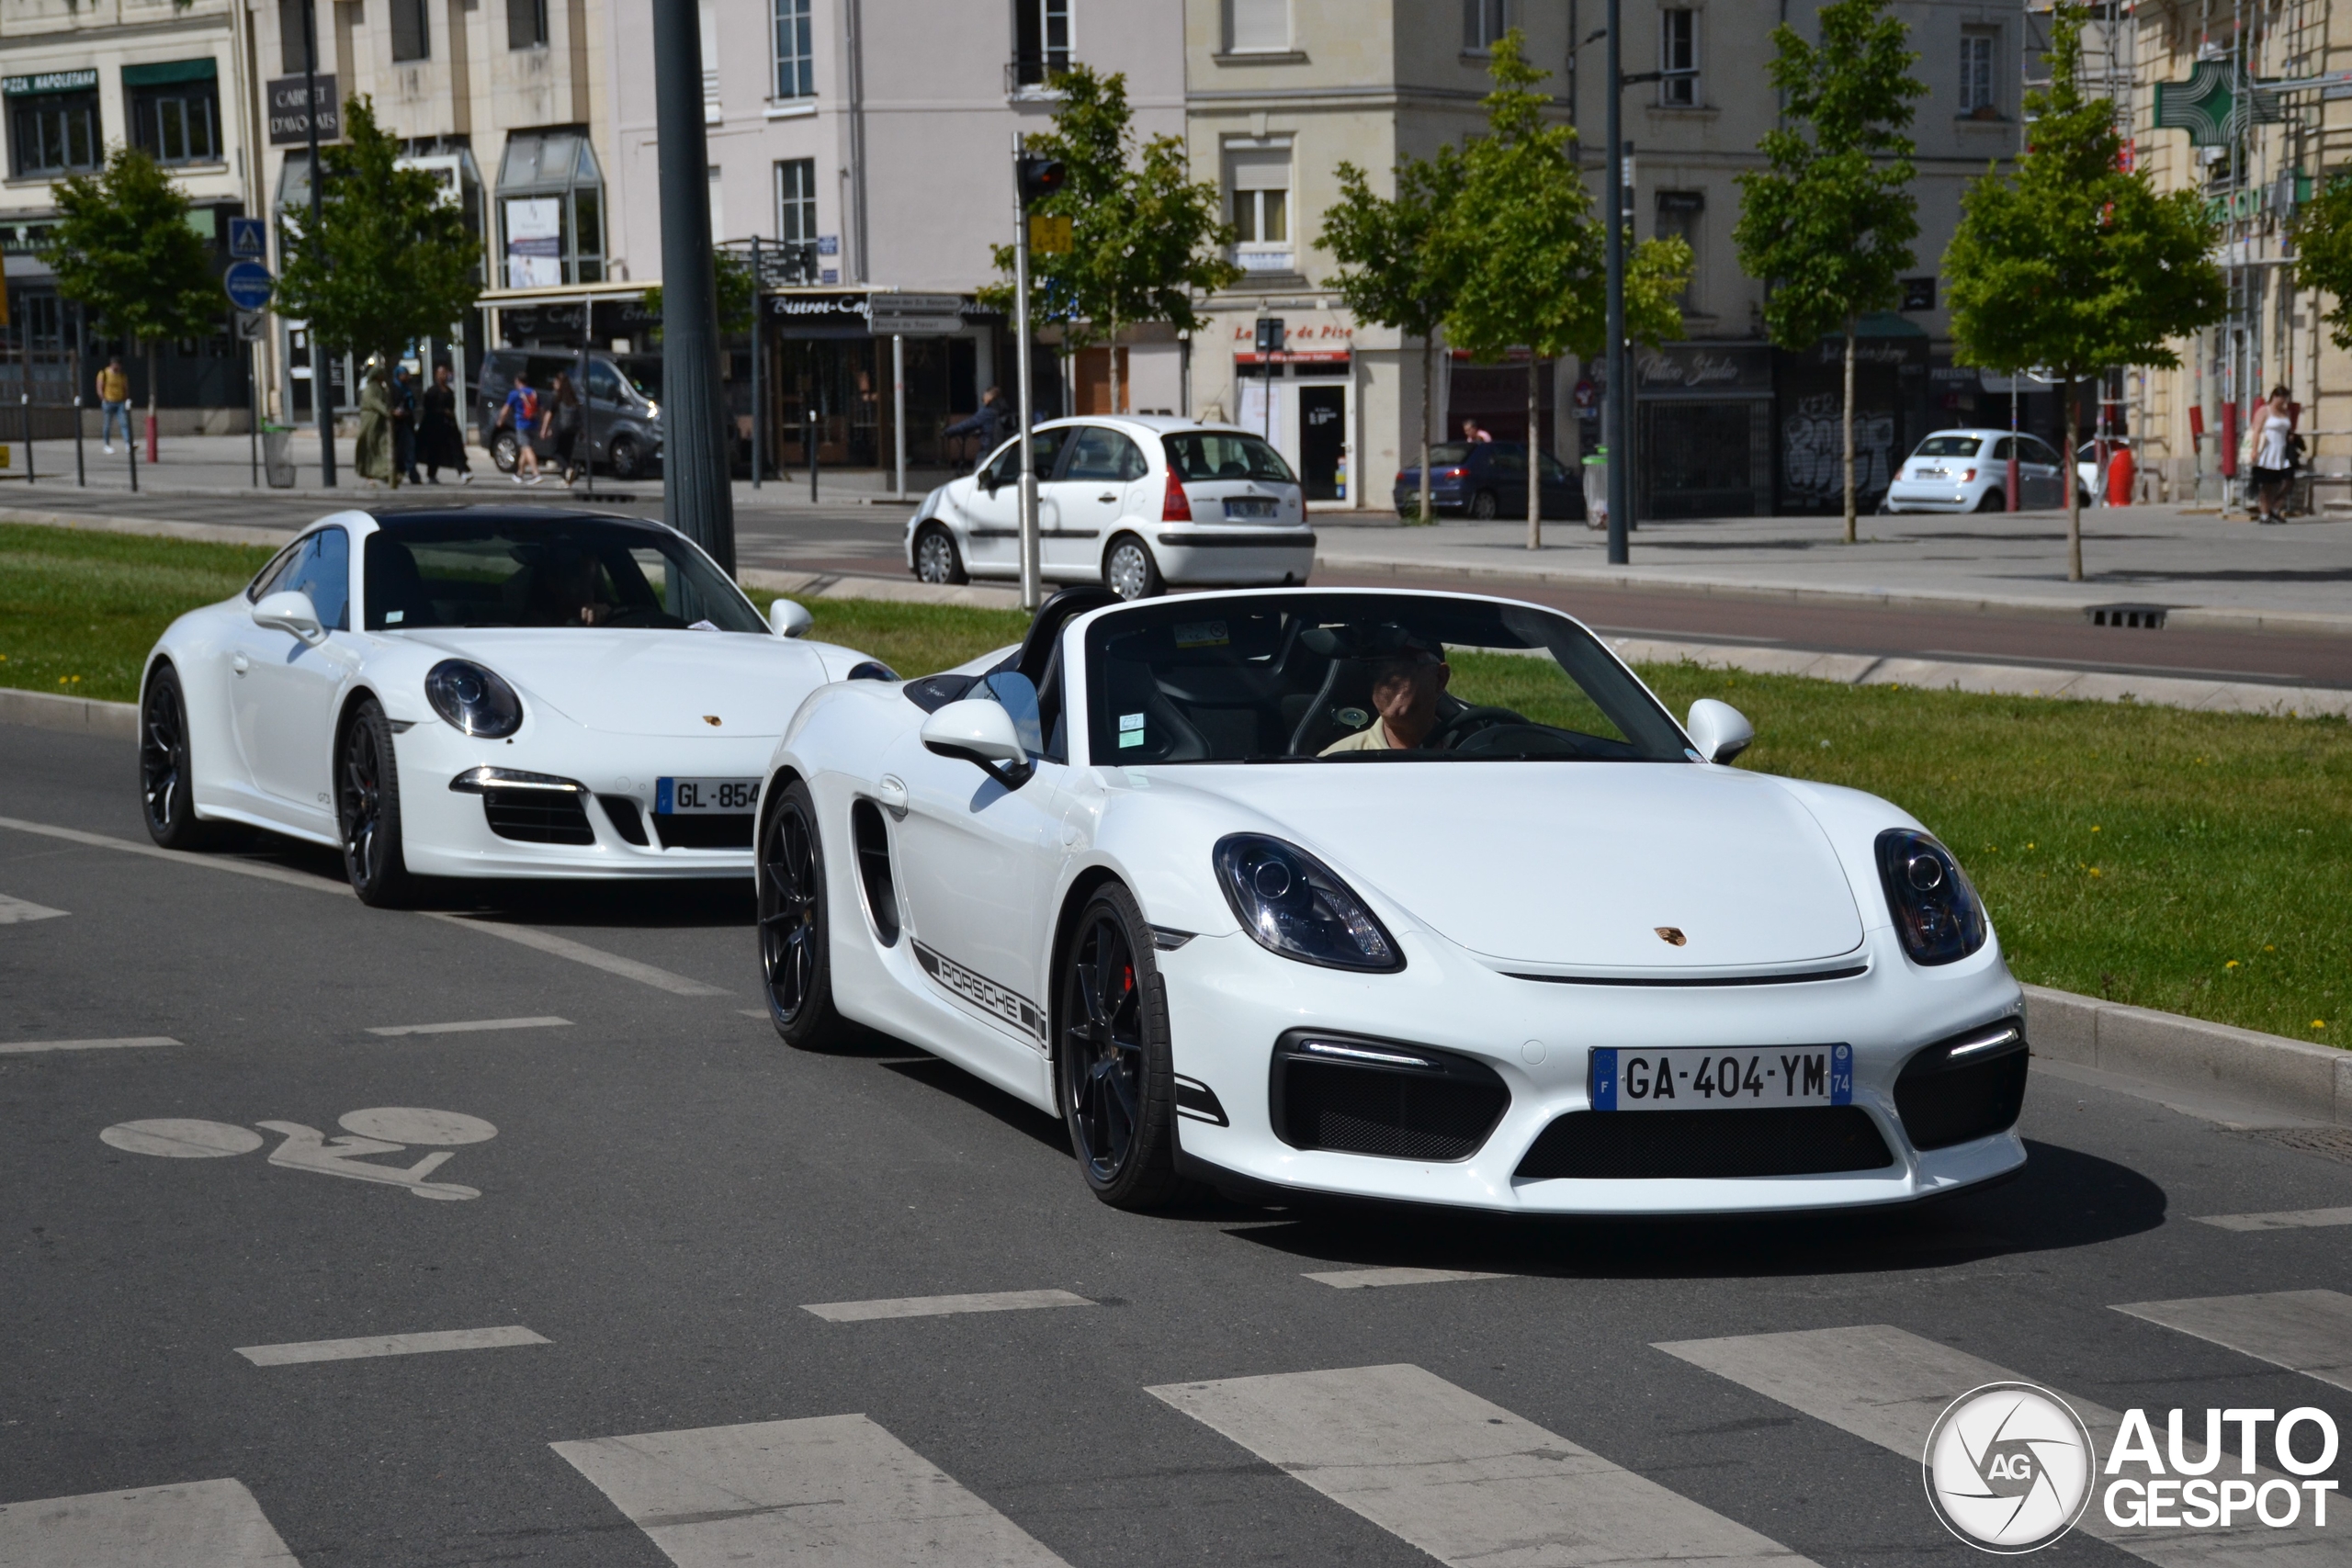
(1392, 895)
(481, 692)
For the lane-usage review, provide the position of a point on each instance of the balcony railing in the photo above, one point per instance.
(1034, 73)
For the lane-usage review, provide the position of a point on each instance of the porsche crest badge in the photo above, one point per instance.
(1670, 935)
(711, 719)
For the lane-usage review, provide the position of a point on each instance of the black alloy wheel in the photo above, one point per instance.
(1118, 1090)
(1484, 506)
(1995, 500)
(623, 458)
(794, 929)
(368, 811)
(166, 780)
(936, 558)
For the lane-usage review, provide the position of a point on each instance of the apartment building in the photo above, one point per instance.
(79, 77)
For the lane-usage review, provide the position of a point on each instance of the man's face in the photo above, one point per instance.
(1406, 696)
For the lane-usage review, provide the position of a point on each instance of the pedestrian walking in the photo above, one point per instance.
(371, 455)
(404, 424)
(988, 423)
(114, 400)
(1472, 431)
(2274, 464)
(560, 424)
(440, 439)
(521, 414)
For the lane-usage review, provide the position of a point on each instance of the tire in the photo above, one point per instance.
(1129, 571)
(503, 450)
(1113, 1068)
(623, 458)
(1483, 506)
(166, 775)
(1995, 500)
(937, 560)
(367, 810)
(796, 932)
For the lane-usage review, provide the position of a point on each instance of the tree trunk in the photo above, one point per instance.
(150, 400)
(2074, 486)
(1113, 352)
(1534, 468)
(1428, 412)
(1850, 429)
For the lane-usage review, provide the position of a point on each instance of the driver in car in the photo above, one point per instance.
(566, 590)
(1405, 692)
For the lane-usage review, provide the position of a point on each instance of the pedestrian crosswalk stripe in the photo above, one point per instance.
(1373, 1279)
(471, 1026)
(388, 1345)
(942, 1306)
(16, 911)
(29, 1047)
(2303, 1331)
(1461, 1479)
(830, 1492)
(200, 1524)
(1888, 1386)
(2279, 1220)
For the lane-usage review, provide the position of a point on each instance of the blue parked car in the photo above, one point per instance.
(1488, 478)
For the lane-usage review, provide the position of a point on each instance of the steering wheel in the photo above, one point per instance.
(1446, 736)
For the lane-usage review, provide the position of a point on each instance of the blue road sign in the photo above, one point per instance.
(248, 285)
(248, 239)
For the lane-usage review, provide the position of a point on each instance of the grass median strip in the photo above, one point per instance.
(79, 609)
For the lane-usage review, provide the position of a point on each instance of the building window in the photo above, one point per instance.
(1679, 217)
(1257, 26)
(290, 37)
(1040, 40)
(1485, 21)
(55, 132)
(796, 62)
(175, 110)
(1260, 180)
(550, 211)
(1979, 48)
(1677, 51)
(411, 32)
(795, 201)
(526, 23)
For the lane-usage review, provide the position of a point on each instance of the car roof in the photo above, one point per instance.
(1146, 423)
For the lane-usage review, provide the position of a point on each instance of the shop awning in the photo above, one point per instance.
(171, 71)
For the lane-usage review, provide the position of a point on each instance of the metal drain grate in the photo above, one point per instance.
(2138, 617)
(2335, 1142)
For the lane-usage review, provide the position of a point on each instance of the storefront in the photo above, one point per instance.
(826, 372)
(1893, 411)
(1303, 405)
(1703, 434)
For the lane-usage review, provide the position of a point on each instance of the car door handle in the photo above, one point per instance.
(892, 792)
(238, 662)
(1107, 498)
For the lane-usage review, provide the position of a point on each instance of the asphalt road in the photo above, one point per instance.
(668, 1186)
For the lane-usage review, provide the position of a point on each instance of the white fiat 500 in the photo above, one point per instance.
(1135, 502)
(480, 692)
(1392, 895)
(1968, 470)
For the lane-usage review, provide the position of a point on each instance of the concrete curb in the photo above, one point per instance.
(203, 533)
(85, 716)
(2266, 1071)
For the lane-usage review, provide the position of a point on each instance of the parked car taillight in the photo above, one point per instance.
(1177, 508)
(1967, 476)
(1453, 473)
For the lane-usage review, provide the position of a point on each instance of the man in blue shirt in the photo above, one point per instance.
(521, 415)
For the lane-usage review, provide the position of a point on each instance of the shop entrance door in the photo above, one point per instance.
(1322, 441)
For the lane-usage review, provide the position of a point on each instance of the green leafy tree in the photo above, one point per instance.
(2323, 252)
(123, 247)
(1388, 263)
(1146, 239)
(738, 294)
(1531, 256)
(1829, 223)
(2071, 265)
(392, 261)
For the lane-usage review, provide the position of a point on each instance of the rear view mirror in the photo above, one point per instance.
(1719, 731)
(290, 609)
(789, 619)
(979, 730)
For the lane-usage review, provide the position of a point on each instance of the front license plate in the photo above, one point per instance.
(1257, 511)
(696, 798)
(1684, 1078)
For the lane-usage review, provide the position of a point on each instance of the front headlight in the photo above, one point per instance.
(1936, 913)
(1292, 903)
(473, 699)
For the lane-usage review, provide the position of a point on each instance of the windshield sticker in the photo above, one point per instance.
(1131, 730)
(1200, 633)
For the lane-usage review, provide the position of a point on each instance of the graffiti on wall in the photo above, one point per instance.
(1812, 452)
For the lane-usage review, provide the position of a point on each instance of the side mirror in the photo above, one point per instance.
(1719, 731)
(789, 619)
(1018, 696)
(979, 731)
(290, 611)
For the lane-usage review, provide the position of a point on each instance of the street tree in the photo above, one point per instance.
(735, 290)
(2072, 263)
(1828, 223)
(392, 261)
(1146, 240)
(1389, 271)
(2323, 252)
(122, 246)
(1531, 256)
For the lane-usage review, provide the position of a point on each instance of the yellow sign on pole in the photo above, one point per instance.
(1048, 236)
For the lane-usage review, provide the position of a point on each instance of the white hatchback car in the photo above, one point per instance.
(1135, 502)
(1967, 471)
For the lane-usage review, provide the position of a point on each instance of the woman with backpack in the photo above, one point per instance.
(562, 425)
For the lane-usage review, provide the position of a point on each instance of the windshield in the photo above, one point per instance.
(1225, 455)
(1361, 678)
(563, 571)
(1948, 446)
(644, 373)
(1449, 452)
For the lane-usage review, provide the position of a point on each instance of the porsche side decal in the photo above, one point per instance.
(982, 992)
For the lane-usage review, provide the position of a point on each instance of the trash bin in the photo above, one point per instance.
(1596, 489)
(277, 455)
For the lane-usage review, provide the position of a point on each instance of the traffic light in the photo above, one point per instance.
(1039, 177)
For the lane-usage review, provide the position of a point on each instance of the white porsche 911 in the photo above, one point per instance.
(1395, 894)
(481, 692)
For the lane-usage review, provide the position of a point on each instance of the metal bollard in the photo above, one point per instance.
(81, 475)
(25, 401)
(812, 454)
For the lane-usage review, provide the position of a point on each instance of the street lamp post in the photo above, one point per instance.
(322, 384)
(698, 500)
(1614, 410)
